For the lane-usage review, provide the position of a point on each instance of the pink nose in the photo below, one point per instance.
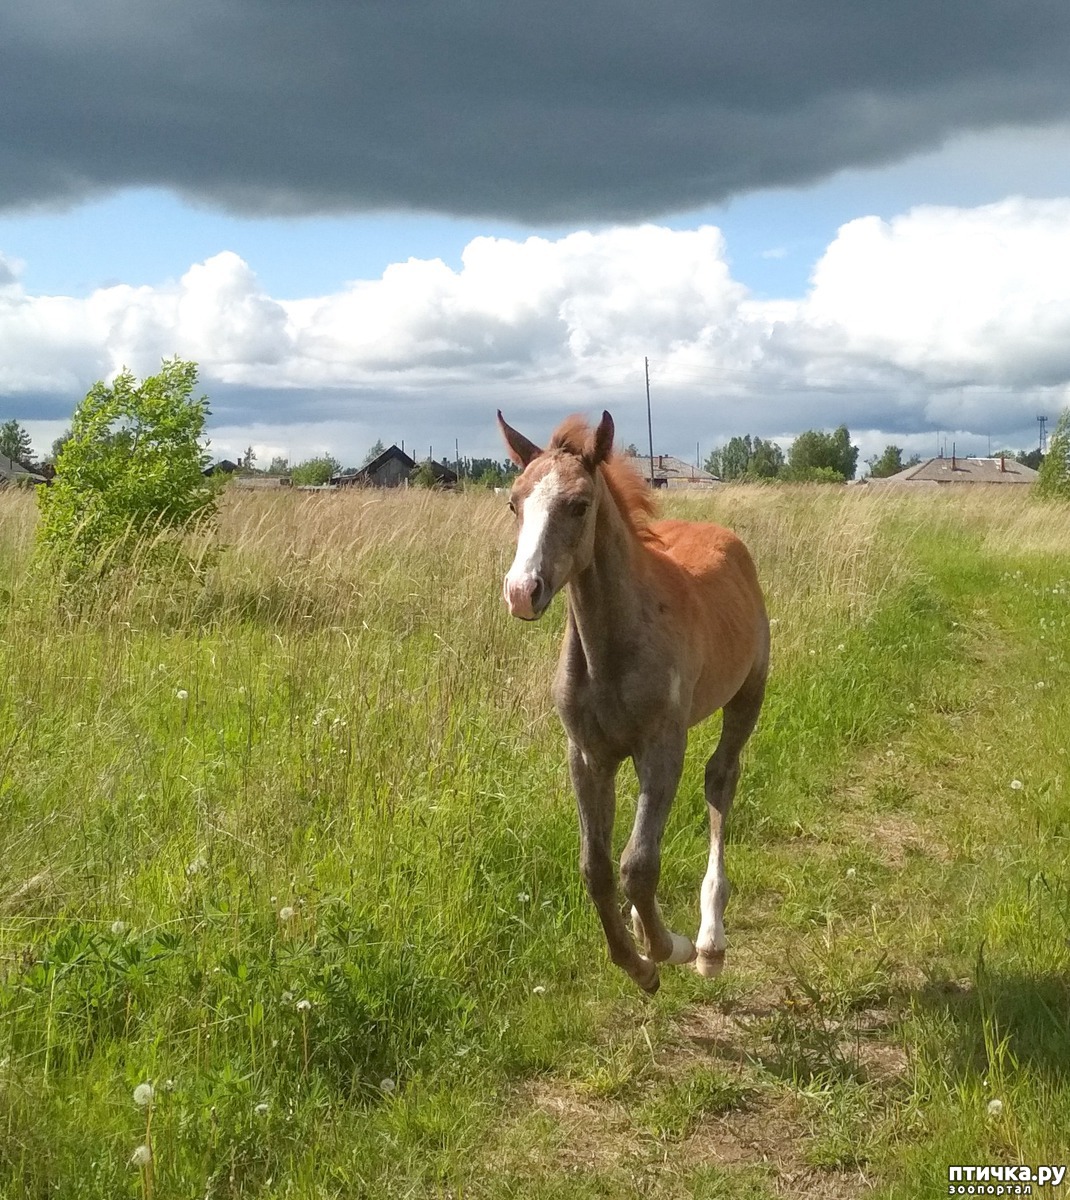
(525, 596)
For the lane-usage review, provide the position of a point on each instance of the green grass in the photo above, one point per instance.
(294, 842)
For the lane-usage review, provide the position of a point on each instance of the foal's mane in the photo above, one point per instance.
(633, 498)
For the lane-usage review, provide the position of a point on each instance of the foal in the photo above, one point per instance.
(666, 624)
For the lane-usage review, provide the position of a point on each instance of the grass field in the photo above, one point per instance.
(295, 845)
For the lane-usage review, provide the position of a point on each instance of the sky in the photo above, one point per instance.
(385, 220)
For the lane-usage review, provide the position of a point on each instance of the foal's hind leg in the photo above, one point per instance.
(595, 787)
(722, 775)
(658, 766)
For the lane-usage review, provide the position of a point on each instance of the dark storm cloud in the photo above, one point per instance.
(544, 112)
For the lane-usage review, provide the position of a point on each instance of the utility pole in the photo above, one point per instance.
(649, 425)
(1042, 421)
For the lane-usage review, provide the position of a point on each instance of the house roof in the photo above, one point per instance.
(12, 472)
(382, 459)
(963, 470)
(674, 470)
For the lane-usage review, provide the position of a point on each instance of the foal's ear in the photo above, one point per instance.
(521, 451)
(599, 444)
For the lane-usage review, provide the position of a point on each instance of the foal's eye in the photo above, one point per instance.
(578, 508)
(512, 507)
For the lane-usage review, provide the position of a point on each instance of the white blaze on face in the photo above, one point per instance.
(529, 563)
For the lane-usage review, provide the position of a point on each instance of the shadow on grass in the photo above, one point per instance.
(1001, 1018)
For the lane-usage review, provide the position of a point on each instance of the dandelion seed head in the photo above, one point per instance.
(118, 927)
(387, 1085)
(141, 1157)
(538, 990)
(261, 1110)
(303, 1006)
(181, 694)
(851, 872)
(1017, 785)
(523, 897)
(143, 1095)
(286, 913)
(995, 1108)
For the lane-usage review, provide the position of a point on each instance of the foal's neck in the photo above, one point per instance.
(603, 601)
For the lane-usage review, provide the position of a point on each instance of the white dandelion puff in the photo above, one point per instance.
(181, 694)
(1017, 785)
(995, 1108)
(387, 1085)
(286, 913)
(143, 1095)
(261, 1110)
(303, 1006)
(523, 897)
(851, 872)
(141, 1157)
(118, 927)
(538, 990)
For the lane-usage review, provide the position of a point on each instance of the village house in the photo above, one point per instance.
(935, 472)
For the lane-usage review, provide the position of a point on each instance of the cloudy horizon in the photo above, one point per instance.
(385, 222)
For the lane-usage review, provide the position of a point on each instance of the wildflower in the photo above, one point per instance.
(143, 1095)
(181, 694)
(538, 990)
(261, 1110)
(196, 866)
(842, 646)
(118, 928)
(995, 1108)
(286, 913)
(387, 1085)
(851, 872)
(303, 1006)
(1017, 785)
(523, 897)
(141, 1157)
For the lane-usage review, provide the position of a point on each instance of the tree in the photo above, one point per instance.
(819, 456)
(15, 443)
(889, 463)
(373, 453)
(1030, 458)
(130, 476)
(59, 443)
(280, 465)
(423, 476)
(631, 450)
(248, 463)
(746, 458)
(314, 472)
(1053, 478)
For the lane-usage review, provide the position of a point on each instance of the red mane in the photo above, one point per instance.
(633, 497)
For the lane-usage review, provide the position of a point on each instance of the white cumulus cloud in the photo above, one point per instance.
(940, 318)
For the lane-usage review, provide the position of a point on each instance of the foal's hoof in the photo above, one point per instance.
(649, 982)
(710, 965)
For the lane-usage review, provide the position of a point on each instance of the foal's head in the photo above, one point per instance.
(555, 499)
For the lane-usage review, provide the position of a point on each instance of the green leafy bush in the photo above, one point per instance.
(131, 475)
(1053, 478)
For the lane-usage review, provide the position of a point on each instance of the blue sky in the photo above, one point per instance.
(893, 223)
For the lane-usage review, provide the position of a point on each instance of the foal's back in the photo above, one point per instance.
(710, 586)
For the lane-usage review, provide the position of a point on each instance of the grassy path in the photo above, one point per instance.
(297, 847)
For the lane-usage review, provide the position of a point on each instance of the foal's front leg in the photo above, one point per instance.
(595, 787)
(659, 766)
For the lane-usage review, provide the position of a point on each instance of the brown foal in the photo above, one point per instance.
(666, 625)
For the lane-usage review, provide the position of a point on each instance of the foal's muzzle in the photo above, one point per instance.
(527, 596)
